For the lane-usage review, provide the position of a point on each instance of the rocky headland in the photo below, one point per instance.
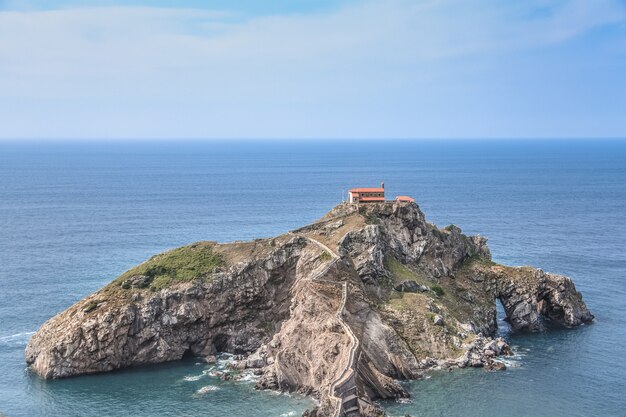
(341, 309)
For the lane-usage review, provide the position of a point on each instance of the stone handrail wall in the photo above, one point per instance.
(354, 345)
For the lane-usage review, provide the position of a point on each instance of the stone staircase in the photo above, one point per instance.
(343, 390)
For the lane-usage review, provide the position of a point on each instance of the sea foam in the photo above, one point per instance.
(206, 389)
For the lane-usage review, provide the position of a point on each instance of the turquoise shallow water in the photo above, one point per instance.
(73, 216)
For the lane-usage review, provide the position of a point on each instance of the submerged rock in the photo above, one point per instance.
(341, 309)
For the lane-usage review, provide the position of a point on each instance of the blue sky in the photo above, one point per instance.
(312, 69)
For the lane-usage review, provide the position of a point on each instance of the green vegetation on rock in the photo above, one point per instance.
(178, 265)
(370, 218)
(399, 271)
(438, 289)
(92, 305)
(397, 300)
(474, 260)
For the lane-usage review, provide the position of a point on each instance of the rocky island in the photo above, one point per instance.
(341, 309)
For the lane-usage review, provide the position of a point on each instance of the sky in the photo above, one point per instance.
(133, 69)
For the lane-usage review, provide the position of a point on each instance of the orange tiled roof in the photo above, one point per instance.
(405, 198)
(367, 190)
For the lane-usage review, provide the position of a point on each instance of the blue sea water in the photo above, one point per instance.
(73, 216)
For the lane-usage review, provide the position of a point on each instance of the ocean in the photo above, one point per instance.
(75, 215)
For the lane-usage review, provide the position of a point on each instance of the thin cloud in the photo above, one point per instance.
(147, 71)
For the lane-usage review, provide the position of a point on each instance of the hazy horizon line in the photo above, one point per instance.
(306, 139)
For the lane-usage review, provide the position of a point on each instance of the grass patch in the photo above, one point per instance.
(396, 295)
(399, 271)
(91, 306)
(473, 260)
(178, 265)
(400, 301)
(438, 289)
(325, 256)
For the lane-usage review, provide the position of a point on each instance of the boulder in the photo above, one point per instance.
(408, 286)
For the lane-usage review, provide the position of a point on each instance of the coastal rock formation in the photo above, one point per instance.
(341, 309)
(530, 296)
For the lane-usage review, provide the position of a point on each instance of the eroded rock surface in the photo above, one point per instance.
(341, 309)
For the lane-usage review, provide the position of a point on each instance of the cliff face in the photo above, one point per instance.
(340, 309)
(225, 311)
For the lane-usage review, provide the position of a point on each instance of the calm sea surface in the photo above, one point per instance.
(72, 217)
